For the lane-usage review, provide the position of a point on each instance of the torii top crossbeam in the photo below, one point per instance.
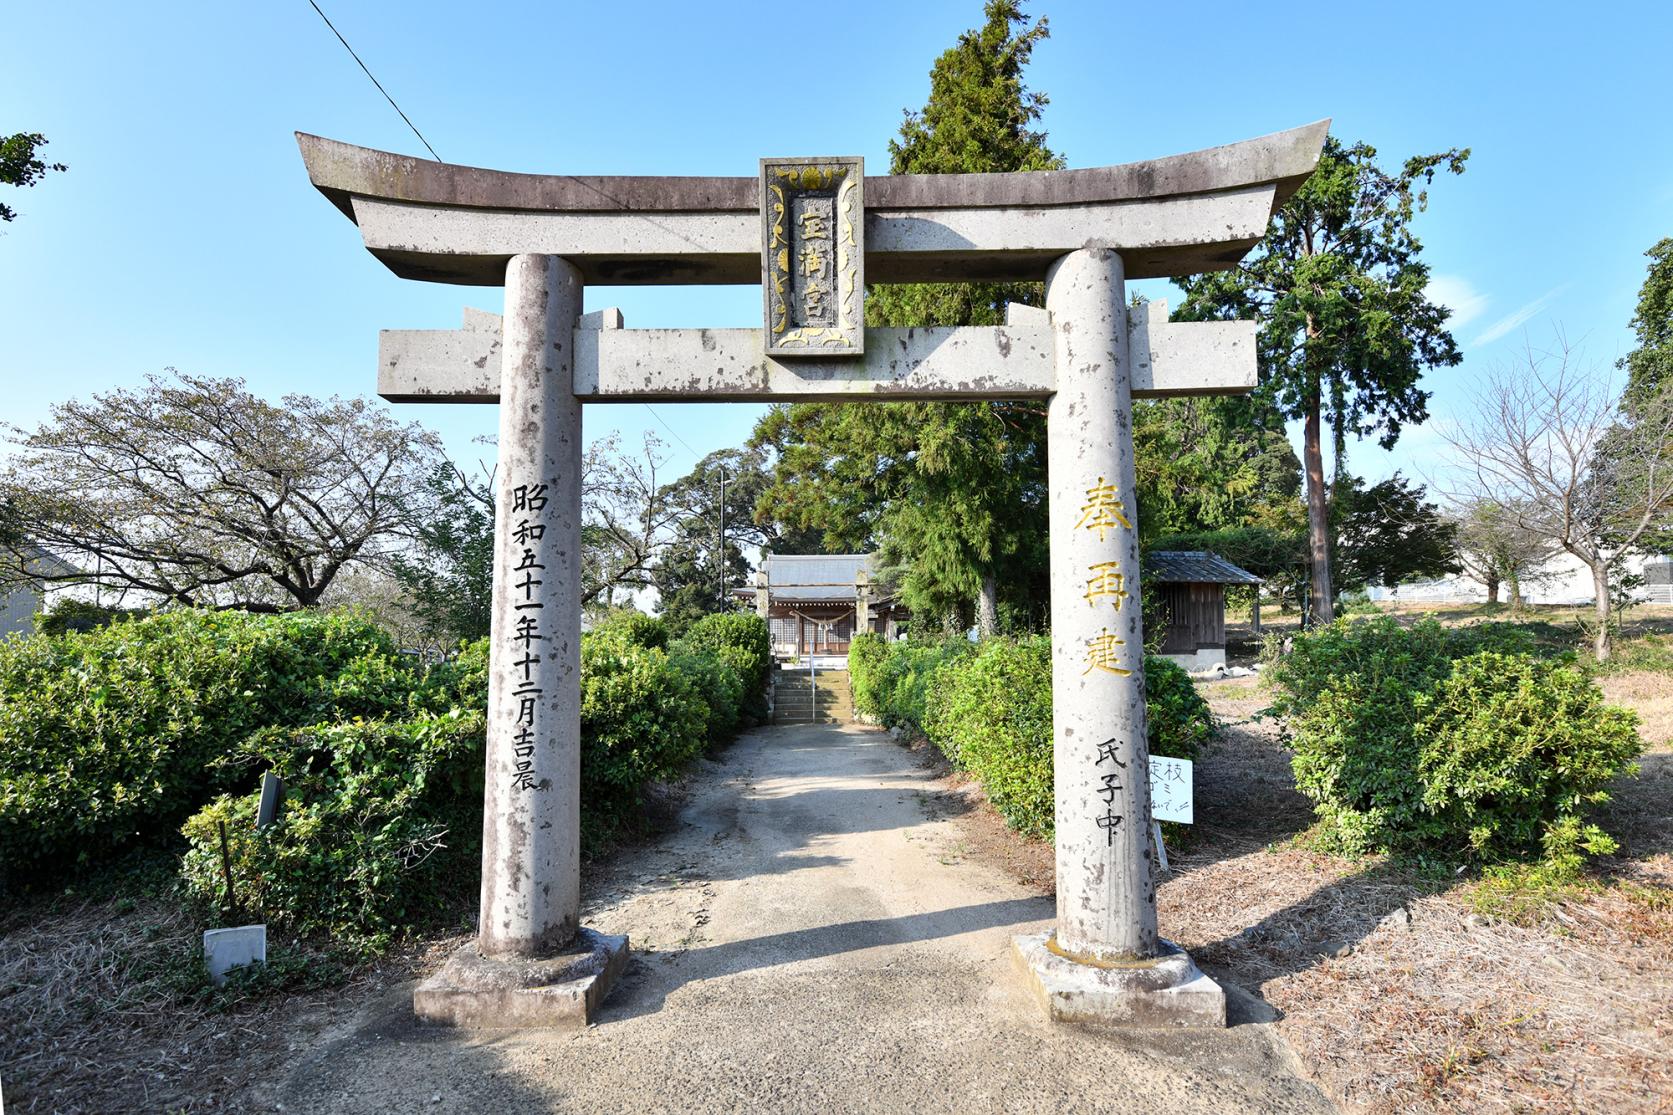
(456, 224)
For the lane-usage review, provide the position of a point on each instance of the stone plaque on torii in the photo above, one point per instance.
(1087, 353)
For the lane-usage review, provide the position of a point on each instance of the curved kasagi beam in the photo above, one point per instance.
(1178, 215)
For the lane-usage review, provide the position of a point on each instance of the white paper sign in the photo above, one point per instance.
(1170, 789)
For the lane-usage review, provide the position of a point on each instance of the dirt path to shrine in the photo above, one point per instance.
(814, 934)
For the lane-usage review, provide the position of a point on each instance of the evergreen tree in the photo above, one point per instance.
(1649, 367)
(1346, 328)
(953, 494)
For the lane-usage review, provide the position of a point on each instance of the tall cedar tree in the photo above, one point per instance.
(1649, 367)
(952, 493)
(1346, 329)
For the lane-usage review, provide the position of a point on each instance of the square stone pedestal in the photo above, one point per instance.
(1167, 992)
(560, 992)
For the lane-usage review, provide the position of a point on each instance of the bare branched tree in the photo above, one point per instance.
(193, 490)
(1496, 549)
(626, 518)
(1549, 447)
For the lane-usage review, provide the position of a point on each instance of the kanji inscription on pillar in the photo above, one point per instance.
(528, 509)
(813, 256)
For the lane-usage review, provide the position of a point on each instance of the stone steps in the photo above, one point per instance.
(826, 702)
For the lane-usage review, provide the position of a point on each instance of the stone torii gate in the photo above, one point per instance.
(813, 232)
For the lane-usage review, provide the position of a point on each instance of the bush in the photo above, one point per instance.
(80, 615)
(990, 713)
(641, 719)
(636, 628)
(380, 829)
(1394, 731)
(867, 653)
(381, 825)
(719, 686)
(1177, 719)
(741, 640)
(907, 675)
(1513, 750)
(107, 736)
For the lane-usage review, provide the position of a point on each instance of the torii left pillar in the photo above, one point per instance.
(532, 964)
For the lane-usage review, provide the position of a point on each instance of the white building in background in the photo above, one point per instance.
(19, 606)
(1563, 580)
(17, 611)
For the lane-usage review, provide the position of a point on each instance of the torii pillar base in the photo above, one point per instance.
(1168, 992)
(561, 992)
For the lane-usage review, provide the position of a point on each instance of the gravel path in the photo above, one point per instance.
(808, 937)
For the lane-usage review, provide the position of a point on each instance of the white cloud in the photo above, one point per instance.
(1513, 321)
(1456, 294)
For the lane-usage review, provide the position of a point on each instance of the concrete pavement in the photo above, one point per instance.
(809, 937)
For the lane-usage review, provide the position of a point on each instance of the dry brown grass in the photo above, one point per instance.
(1650, 695)
(103, 1008)
(1394, 989)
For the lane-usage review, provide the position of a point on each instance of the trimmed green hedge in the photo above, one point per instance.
(1447, 742)
(122, 733)
(382, 823)
(988, 708)
(108, 736)
(381, 826)
(741, 641)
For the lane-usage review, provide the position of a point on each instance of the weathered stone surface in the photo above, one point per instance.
(1178, 215)
(234, 947)
(1167, 991)
(531, 801)
(731, 365)
(342, 170)
(558, 992)
(1106, 904)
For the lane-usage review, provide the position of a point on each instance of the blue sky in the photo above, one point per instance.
(186, 234)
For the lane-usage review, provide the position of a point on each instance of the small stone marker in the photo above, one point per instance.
(813, 256)
(226, 949)
(1170, 789)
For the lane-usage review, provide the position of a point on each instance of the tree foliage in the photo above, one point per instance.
(1346, 328)
(20, 165)
(1649, 367)
(1389, 533)
(193, 490)
(1211, 463)
(1495, 548)
(449, 568)
(1550, 446)
(952, 494)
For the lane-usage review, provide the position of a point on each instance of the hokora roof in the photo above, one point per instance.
(1173, 567)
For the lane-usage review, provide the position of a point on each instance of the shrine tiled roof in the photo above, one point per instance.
(1172, 567)
(810, 577)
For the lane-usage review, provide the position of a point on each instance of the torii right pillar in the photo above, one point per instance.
(1104, 963)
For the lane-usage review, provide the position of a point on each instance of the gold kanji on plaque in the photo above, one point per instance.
(813, 256)
(1104, 510)
(1102, 654)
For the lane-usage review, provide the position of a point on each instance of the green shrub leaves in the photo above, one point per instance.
(1450, 742)
(988, 709)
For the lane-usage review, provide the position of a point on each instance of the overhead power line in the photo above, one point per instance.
(368, 72)
(376, 82)
(671, 430)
